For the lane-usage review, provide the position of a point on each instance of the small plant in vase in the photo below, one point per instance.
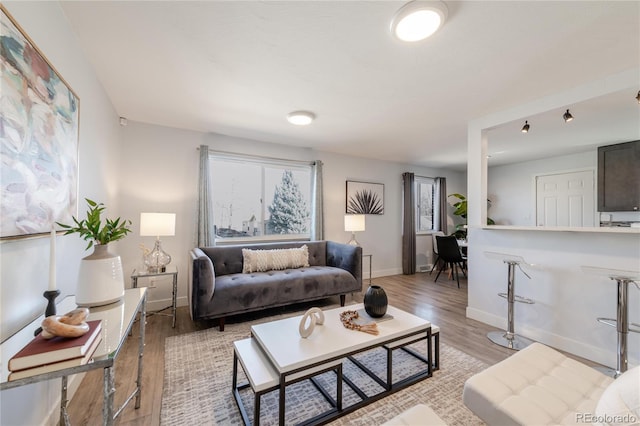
(100, 279)
(91, 229)
(461, 210)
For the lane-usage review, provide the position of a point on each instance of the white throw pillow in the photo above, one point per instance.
(277, 259)
(620, 401)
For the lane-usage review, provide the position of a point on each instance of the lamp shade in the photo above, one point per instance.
(157, 224)
(354, 222)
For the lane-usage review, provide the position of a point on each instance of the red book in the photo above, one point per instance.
(74, 362)
(41, 351)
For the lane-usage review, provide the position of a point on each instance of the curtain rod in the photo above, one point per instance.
(236, 155)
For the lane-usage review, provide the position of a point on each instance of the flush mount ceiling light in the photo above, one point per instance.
(567, 116)
(638, 96)
(525, 128)
(300, 118)
(418, 20)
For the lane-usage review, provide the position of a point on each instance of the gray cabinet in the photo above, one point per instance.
(619, 177)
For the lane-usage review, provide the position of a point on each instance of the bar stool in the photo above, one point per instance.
(621, 323)
(510, 339)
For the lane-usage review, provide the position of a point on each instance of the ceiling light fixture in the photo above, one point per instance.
(638, 96)
(525, 128)
(418, 20)
(567, 116)
(300, 118)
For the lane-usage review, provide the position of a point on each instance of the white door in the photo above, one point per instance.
(565, 199)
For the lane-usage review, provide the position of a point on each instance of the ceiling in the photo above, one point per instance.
(238, 68)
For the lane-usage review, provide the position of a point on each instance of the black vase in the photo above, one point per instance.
(375, 301)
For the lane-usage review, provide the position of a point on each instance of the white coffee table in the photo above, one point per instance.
(293, 358)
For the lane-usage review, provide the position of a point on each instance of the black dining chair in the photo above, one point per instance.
(450, 255)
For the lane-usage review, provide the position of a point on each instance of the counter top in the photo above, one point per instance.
(600, 230)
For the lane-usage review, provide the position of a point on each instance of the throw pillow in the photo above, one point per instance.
(620, 401)
(277, 259)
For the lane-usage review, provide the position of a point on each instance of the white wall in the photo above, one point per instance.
(511, 188)
(160, 172)
(25, 263)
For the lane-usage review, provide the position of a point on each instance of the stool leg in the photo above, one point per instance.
(622, 325)
(510, 339)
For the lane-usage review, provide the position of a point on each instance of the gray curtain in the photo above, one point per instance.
(205, 237)
(441, 193)
(408, 224)
(317, 220)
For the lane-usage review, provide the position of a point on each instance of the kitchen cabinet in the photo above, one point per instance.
(619, 177)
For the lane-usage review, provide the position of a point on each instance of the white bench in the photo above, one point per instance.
(263, 378)
(540, 386)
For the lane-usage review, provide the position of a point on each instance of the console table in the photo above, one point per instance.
(117, 320)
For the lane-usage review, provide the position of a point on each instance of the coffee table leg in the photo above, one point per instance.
(339, 388)
(429, 353)
(281, 401)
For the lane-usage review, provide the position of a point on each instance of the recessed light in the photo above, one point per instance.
(418, 20)
(300, 118)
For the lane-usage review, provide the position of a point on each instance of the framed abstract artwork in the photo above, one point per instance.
(365, 198)
(39, 133)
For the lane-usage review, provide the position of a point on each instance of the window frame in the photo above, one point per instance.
(264, 163)
(418, 181)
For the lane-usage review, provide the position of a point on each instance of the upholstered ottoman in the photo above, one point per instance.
(418, 415)
(540, 386)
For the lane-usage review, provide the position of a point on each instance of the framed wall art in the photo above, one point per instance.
(365, 198)
(38, 138)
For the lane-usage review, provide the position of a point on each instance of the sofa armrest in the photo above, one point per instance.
(203, 282)
(347, 257)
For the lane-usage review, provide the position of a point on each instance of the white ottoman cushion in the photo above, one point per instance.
(418, 415)
(537, 385)
(620, 402)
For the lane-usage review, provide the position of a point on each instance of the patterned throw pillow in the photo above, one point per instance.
(277, 259)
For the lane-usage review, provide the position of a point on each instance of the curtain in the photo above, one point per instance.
(317, 220)
(205, 236)
(441, 196)
(408, 224)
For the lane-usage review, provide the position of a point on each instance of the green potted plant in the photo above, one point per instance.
(100, 279)
(461, 210)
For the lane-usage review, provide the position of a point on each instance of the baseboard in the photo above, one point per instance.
(156, 305)
(566, 344)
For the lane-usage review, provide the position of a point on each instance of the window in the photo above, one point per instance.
(254, 198)
(425, 201)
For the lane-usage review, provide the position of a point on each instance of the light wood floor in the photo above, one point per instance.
(442, 303)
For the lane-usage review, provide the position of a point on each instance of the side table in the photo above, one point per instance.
(170, 270)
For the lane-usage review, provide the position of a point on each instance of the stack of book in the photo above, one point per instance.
(45, 355)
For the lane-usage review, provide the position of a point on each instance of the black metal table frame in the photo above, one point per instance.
(337, 410)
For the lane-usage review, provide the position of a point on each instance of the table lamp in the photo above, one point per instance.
(353, 223)
(157, 224)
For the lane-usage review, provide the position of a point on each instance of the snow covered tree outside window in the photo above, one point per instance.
(289, 212)
(260, 199)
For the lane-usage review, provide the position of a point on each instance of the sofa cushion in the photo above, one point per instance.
(620, 401)
(276, 259)
(237, 293)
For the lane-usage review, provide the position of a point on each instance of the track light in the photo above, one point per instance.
(567, 116)
(638, 96)
(525, 128)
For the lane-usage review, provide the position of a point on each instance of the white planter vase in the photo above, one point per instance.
(100, 280)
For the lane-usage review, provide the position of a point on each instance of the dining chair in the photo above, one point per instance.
(435, 248)
(450, 255)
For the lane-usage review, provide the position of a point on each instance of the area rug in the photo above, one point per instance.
(198, 375)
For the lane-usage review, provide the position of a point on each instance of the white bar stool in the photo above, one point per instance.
(510, 339)
(622, 278)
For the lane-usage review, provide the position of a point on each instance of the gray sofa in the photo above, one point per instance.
(219, 288)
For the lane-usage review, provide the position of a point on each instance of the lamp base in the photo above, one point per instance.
(157, 260)
(353, 241)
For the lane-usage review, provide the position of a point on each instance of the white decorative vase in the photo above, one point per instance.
(100, 280)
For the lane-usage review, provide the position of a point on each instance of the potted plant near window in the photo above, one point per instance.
(100, 279)
(461, 210)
